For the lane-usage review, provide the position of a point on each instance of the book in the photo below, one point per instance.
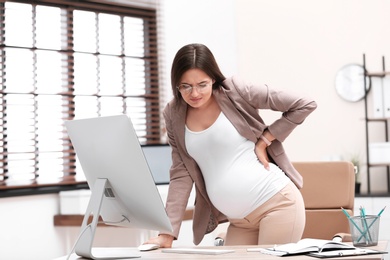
(201, 251)
(304, 246)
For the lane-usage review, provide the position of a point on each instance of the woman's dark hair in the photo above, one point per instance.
(194, 56)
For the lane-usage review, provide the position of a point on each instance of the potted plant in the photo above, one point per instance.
(356, 164)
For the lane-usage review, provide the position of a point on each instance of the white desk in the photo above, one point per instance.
(240, 253)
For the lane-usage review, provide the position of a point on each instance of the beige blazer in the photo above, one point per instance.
(239, 101)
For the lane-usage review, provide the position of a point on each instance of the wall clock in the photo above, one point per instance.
(349, 82)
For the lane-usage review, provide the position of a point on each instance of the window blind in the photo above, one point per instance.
(64, 60)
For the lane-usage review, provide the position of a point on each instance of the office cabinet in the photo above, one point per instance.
(378, 153)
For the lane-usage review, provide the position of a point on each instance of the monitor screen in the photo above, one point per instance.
(124, 192)
(159, 160)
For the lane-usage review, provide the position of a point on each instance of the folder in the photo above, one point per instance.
(377, 97)
(386, 96)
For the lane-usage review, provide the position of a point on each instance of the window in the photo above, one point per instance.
(64, 60)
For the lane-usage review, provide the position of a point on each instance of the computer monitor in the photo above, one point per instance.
(124, 192)
(159, 158)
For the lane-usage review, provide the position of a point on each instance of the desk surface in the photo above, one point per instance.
(240, 253)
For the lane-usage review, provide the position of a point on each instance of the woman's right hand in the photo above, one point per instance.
(165, 241)
(261, 152)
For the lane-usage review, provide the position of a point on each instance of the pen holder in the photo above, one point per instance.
(364, 230)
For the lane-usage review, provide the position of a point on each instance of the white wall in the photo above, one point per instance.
(300, 45)
(297, 45)
(209, 22)
(27, 230)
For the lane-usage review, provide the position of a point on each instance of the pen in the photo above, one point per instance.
(345, 212)
(354, 252)
(353, 222)
(372, 223)
(380, 212)
(366, 228)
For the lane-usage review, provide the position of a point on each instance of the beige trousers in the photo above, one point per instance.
(278, 221)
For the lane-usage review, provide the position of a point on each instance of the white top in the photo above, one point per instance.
(236, 181)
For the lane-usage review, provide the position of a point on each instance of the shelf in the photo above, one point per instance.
(381, 119)
(380, 74)
(72, 220)
(76, 219)
(373, 194)
(368, 120)
(378, 164)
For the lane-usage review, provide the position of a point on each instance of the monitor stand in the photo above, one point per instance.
(84, 243)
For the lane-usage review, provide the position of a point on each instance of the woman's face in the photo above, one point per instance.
(196, 88)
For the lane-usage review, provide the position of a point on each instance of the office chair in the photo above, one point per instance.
(328, 187)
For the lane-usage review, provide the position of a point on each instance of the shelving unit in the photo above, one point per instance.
(369, 120)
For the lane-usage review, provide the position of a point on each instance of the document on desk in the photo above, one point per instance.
(201, 251)
(341, 253)
(304, 246)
